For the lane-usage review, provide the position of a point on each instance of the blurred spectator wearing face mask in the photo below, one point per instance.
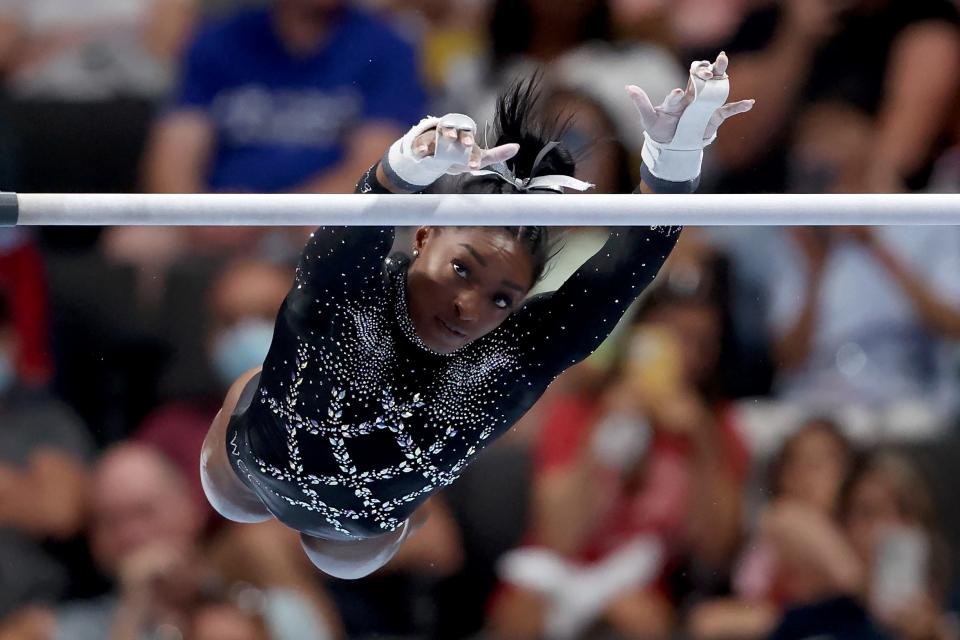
(629, 487)
(43, 451)
(807, 476)
(144, 532)
(850, 72)
(243, 302)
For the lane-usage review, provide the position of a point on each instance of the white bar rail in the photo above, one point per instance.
(38, 209)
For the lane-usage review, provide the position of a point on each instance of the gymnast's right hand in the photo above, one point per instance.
(438, 146)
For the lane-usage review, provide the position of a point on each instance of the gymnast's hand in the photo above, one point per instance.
(458, 132)
(686, 121)
(661, 122)
(438, 146)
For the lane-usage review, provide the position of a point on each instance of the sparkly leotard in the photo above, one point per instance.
(355, 422)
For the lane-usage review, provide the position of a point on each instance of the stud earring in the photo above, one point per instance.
(416, 253)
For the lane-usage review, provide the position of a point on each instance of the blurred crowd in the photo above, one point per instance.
(764, 448)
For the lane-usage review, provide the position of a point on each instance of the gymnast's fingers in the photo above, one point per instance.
(476, 157)
(720, 66)
(449, 131)
(674, 99)
(425, 144)
(724, 112)
(702, 69)
(498, 154)
(648, 115)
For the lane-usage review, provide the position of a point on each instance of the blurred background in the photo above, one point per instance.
(766, 447)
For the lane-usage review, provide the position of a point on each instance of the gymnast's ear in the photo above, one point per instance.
(422, 235)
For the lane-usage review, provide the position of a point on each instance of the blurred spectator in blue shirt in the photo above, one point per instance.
(301, 96)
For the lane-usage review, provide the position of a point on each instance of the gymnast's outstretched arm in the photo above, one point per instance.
(579, 316)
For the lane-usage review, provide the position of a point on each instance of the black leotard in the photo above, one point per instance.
(355, 422)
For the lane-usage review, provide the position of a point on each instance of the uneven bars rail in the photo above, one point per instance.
(40, 209)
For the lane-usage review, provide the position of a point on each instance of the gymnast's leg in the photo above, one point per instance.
(353, 559)
(231, 498)
(227, 494)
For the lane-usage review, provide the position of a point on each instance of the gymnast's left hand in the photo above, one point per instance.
(661, 122)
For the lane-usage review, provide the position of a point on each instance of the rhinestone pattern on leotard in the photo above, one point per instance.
(356, 367)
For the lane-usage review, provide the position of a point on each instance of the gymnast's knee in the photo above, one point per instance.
(224, 489)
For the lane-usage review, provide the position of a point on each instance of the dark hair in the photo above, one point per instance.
(913, 495)
(624, 179)
(518, 119)
(816, 424)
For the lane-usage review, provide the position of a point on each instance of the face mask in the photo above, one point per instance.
(240, 348)
(7, 372)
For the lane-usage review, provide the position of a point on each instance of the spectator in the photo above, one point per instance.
(220, 618)
(863, 315)
(303, 96)
(83, 78)
(879, 574)
(851, 67)
(809, 473)
(695, 29)
(56, 49)
(23, 278)
(144, 532)
(630, 487)
(890, 518)
(43, 451)
(451, 34)
(577, 48)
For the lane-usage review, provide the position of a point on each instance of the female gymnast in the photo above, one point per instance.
(387, 376)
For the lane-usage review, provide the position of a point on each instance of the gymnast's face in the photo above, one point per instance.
(465, 283)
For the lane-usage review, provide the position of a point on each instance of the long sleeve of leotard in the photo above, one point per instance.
(561, 328)
(340, 260)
